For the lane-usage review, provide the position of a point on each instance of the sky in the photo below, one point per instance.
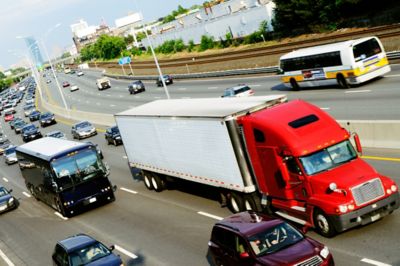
(37, 18)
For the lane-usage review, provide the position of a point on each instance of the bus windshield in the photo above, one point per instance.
(328, 158)
(77, 168)
(366, 49)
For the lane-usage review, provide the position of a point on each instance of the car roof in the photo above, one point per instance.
(81, 122)
(73, 243)
(249, 223)
(237, 87)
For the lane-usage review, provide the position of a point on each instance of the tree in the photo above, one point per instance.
(66, 55)
(206, 43)
(2, 76)
(171, 17)
(128, 39)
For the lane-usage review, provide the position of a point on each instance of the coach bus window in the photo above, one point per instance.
(366, 49)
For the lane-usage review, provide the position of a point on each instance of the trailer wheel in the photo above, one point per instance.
(157, 182)
(147, 180)
(235, 202)
(294, 84)
(323, 224)
(252, 202)
(342, 81)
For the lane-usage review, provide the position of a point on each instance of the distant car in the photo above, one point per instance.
(136, 87)
(72, 71)
(4, 144)
(18, 126)
(250, 238)
(28, 109)
(167, 79)
(47, 119)
(30, 132)
(9, 110)
(10, 155)
(238, 91)
(34, 115)
(56, 134)
(7, 201)
(16, 119)
(48, 81)
(74, 88)
(80, 73)
(65, 84)
(113, 136)
(8, 116)
(83, 129)
(30, 101)
(82, 249)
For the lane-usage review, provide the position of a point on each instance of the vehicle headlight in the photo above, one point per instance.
(393, 188)
(343, 208)
(11, 200)
(324, 252)
(389, 191)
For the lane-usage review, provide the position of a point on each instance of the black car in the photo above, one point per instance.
(47, 119)
(7, 201)
(167, 79)
(136, 87)
(112, 136)
(34, 116)
(19, 125)
(82, 249)
(30, 132)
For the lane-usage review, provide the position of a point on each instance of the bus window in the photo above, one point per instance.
(366, 49)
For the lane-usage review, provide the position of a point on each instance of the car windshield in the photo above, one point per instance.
(20, 124)
(114, 130)
(3, 192)
(83, 124)
(77, 167)
(56, 135)
(228, 92)
(328, 158)
(274, 239)
(45, 115)
(10, 151)
(89, 254)
(29, 128)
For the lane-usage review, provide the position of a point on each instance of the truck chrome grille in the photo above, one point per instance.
(368, 191)
(313, 261)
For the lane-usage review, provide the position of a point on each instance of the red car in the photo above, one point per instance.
(8, 117)
(65, 84)
(250, 238)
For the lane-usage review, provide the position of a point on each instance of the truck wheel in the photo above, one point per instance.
(294, 84)
(252, 202)
(147, 180)
(33, 192)
(235, 202)
(342, 82)
(323, 224)
(157, 182)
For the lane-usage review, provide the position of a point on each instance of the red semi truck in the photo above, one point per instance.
(262, 153)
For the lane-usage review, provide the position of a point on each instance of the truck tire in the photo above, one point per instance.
(252, 202)
(147, 180)
(157, 182)
(294, 84)
(235, 202)
(323, 225)
(342, 81)
(33, 191)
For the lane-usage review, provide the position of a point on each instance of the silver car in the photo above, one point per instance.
(83, 129)
(10, 155)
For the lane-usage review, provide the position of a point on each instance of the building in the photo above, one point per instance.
(236, 17)
(83, 34)
(34, 50)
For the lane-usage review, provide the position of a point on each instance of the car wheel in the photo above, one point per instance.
(115, 142)
(323, 224)
(157, 182)
(235, 202)
(294, 84)
(342, 82)
(147, 180)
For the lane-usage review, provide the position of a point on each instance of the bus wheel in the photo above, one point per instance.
(294, 84)
(342, 82)
(252, 202)
(147, 180)
(235, 202)
(60, 208)
(157, 182)
(33, 192)
(323, 224)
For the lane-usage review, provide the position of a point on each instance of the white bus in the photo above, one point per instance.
(344, 63)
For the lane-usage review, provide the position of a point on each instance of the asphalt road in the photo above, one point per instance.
(375, 100)
(172, 227)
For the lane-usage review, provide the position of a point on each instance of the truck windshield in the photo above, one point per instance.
(77, 168)
(328, 158)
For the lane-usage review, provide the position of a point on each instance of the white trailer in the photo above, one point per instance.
(191, 139)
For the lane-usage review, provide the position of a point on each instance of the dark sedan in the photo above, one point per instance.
(47, 119)
(34, 116)
(113, 136)
(167, 79)
(30, 132)
(7, 201)
(136, 87)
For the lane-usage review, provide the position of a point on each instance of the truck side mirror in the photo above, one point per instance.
(358, 143)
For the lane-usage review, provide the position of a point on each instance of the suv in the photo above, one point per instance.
(167, 79)
(136, 87)
(83, 129)
(238, 91)
(249, 238)
(82, 249)
(113, 136)
(46, 119)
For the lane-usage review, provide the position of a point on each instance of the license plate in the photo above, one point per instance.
(375, 217)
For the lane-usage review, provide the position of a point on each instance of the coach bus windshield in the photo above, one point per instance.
(77, 168)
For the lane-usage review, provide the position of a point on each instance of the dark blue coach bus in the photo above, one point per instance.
(65, 175)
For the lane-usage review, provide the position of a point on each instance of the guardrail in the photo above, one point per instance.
(248, 71)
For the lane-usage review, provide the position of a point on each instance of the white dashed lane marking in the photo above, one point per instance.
(26, 194)
(374, 262)
(126, 252)
(5, 179)
(128, 190)
(210, 215)
(358, 91)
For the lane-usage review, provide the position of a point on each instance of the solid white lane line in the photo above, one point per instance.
(325, 108)
(358, 91)
(26, 194)
(128, 190)
(6, 259)
(211, 216)
(374, 262)
(182, 89)
(60, 215)
(126, 252)
(5, 179)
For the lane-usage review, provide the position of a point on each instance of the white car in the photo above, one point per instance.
(80, 73)
(74, 88)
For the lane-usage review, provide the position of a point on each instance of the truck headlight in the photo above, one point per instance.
(324, 252)
(343, 208)
(393, 188)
